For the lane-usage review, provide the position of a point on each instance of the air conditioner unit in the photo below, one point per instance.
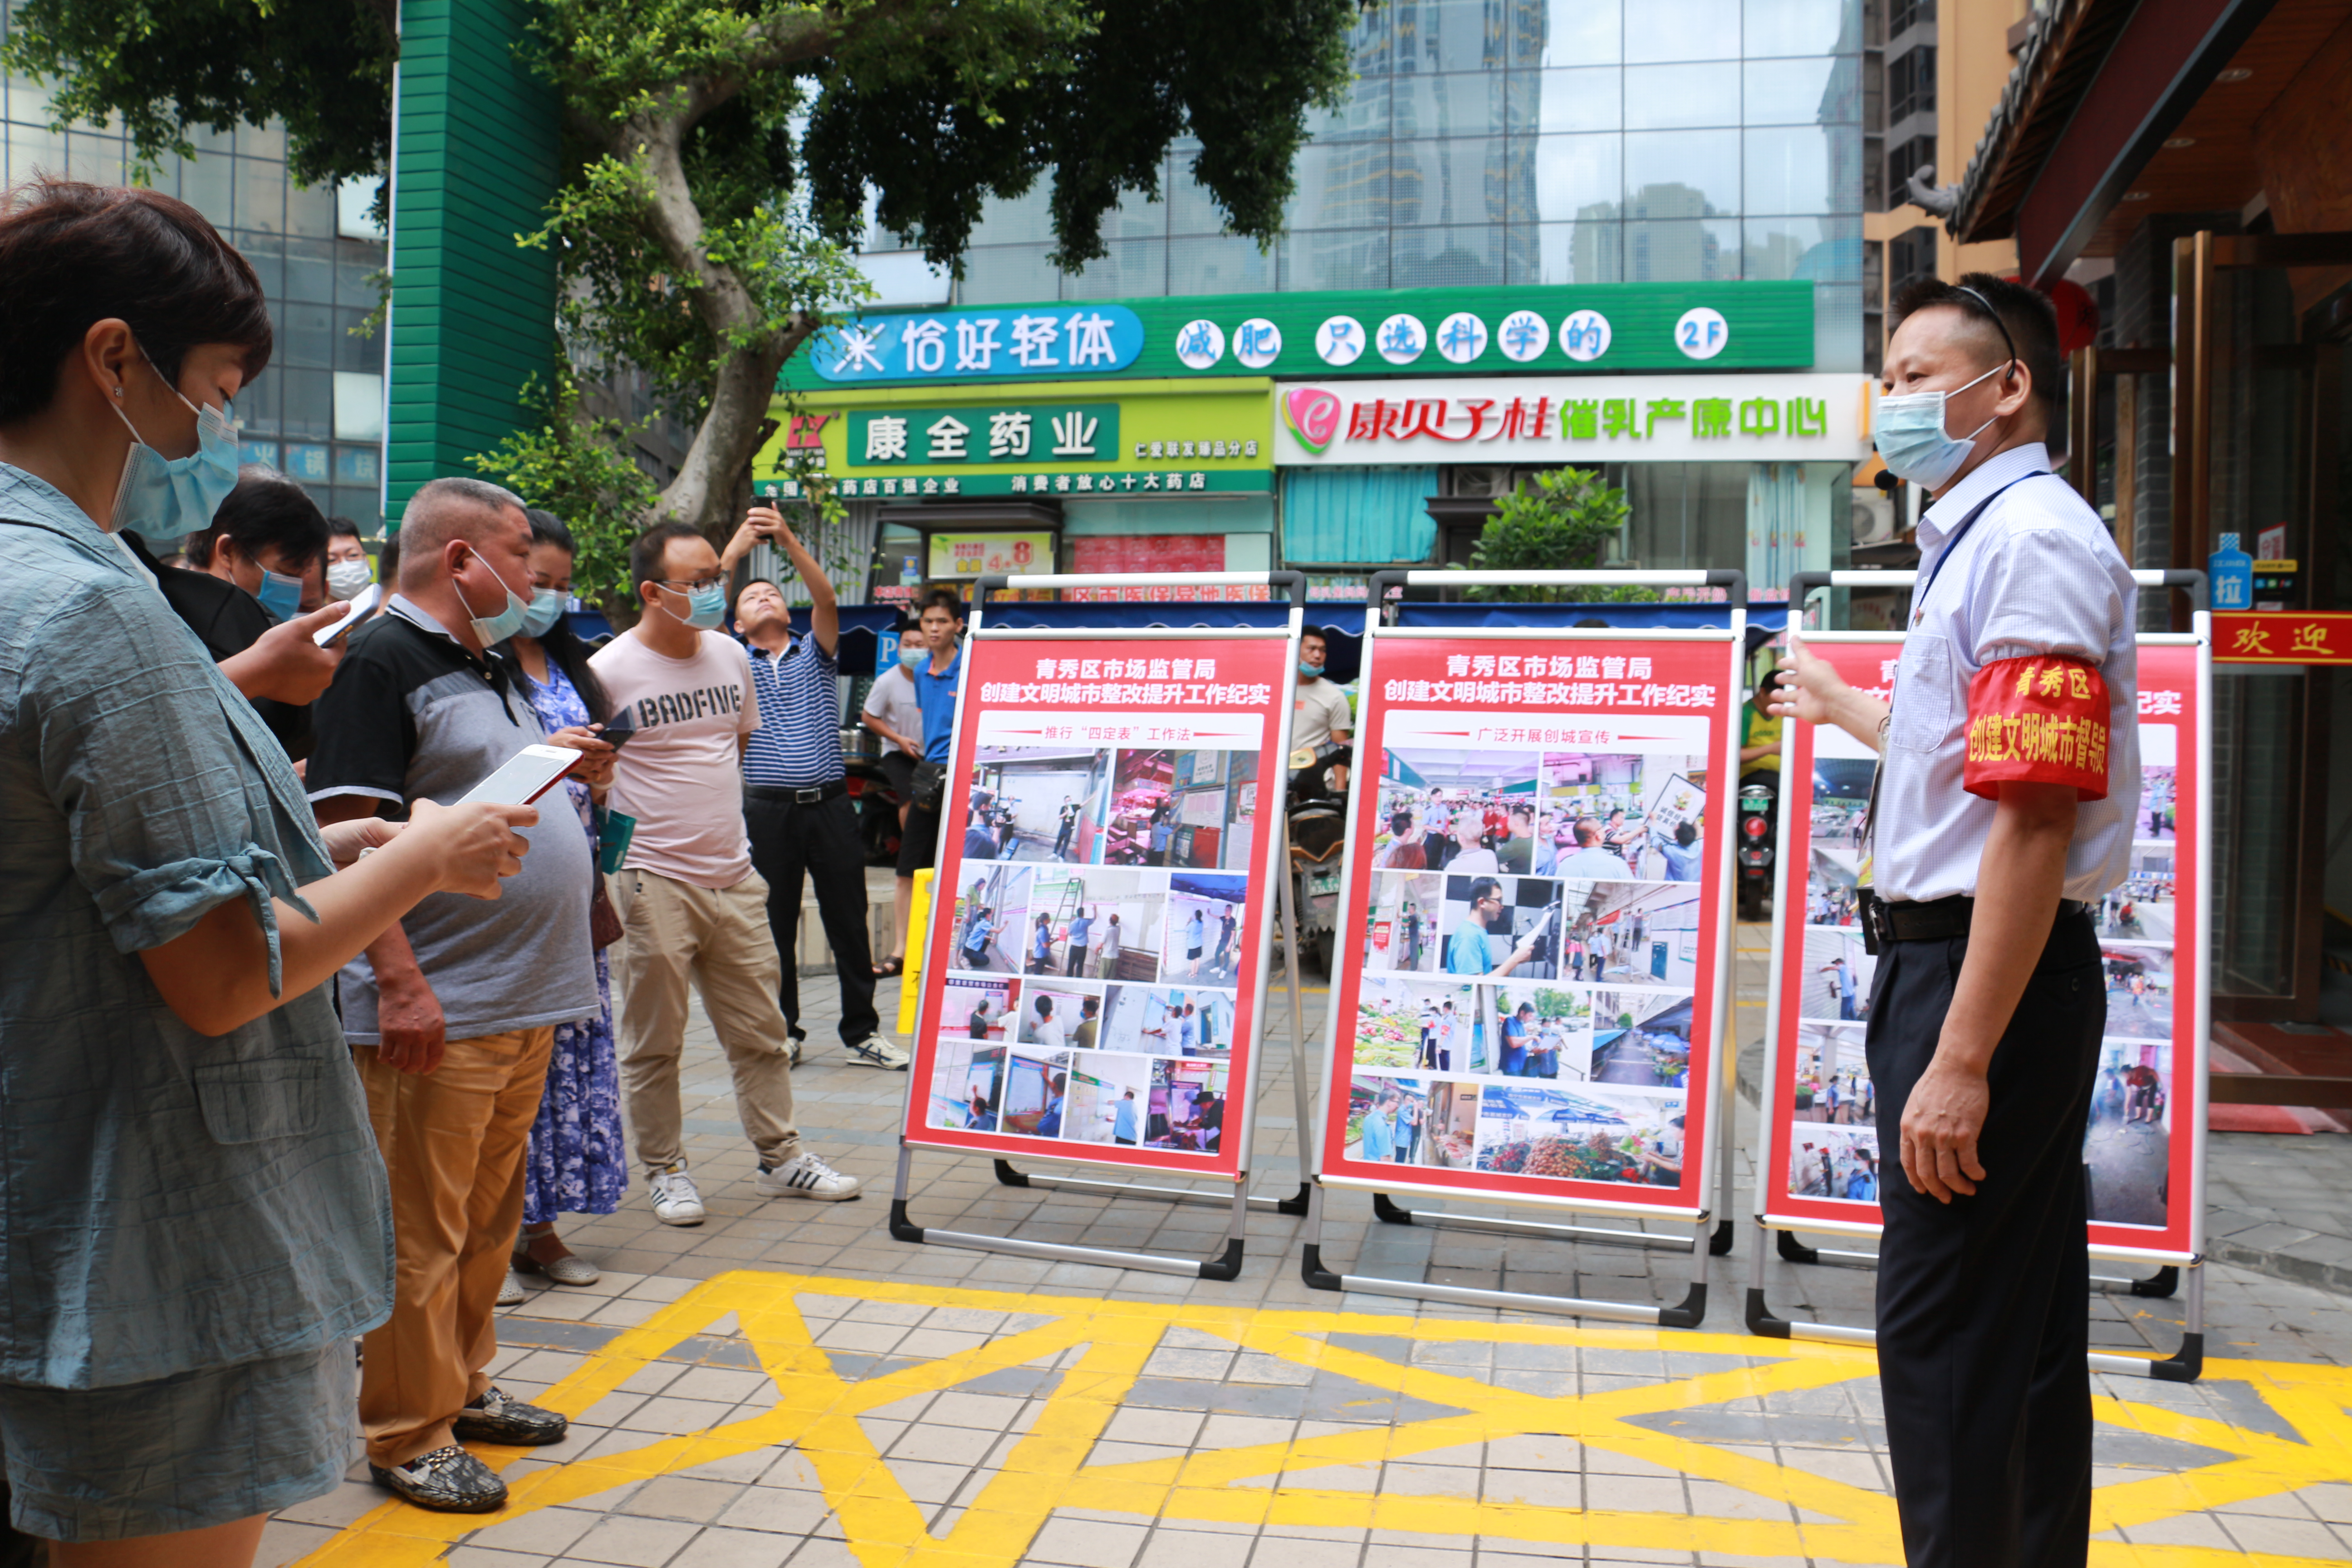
(1873, 517)
(1482, 481)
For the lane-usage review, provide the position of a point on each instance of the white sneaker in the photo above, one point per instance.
(874, 1051)
(795, 1058)
(676, 1201)
(808, 1177)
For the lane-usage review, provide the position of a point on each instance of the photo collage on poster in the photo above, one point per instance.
(1834, 1143)
(1833, 1139)
(2125, 1151)
(1096, 955)
(1531, 954)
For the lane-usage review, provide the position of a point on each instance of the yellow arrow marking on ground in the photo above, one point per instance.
(816, 1412)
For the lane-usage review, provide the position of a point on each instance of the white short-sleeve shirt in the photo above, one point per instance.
(2038, 575)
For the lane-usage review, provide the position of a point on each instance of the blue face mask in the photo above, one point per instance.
(546, 609)
(494, 629)
(912, 659)
(1311, 671)
(706, 607)
(166, 498)
(280, 594)
(1912, 441)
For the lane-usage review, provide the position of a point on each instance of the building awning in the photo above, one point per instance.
(2118, 109)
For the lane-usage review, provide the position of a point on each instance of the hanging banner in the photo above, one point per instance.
(1093, 982)
(1530, 973)
(1822, 1164)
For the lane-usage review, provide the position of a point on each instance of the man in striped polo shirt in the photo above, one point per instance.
(795, 792)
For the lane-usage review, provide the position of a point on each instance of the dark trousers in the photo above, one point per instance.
(819, 842)
(1983, 1303)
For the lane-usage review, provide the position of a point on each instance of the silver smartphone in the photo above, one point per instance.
(359, 610)
(525, 776)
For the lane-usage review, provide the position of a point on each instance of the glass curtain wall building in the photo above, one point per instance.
(1500, 142)
(318, 413)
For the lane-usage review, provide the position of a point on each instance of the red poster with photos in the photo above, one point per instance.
(1822, 1151)
(1530, 967)
(1098, 915)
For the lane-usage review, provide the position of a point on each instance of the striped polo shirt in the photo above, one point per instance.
(798, 743)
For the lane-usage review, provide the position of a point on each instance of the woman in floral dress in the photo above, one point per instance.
(578, 1161)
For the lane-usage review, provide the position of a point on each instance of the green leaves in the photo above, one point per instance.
(578, 467)
(1559, 522)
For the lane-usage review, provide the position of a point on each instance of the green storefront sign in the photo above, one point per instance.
(1056, 439)
(1023, 434)
(1602, 328)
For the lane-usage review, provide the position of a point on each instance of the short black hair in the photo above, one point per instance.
(2016, 320)
(943, 597)
(266, 511)
(651, 549)
(75, 254)
(546, 528)
(1485, 887)
(737, 602)
(344, 528)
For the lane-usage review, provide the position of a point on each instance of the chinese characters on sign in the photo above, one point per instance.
(1037, 341)
(1579, 419)
(2283, 636)
(1081, 432)
(990, 555)
(1549, 680)
(1763, 417)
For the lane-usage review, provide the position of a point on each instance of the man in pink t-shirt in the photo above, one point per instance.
(694, 909)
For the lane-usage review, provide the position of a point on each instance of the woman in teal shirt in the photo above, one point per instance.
(197, 1225)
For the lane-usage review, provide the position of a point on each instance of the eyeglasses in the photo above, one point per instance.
(699, 585)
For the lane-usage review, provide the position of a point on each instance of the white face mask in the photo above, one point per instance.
(347, 580)
(1913, 442)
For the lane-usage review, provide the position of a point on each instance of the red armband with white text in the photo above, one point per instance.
(2037, 720)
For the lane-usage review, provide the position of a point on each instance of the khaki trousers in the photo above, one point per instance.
(717, 938)
(453, 1143)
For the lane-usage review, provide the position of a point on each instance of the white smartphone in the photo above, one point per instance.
(525, 776)
(359, 610)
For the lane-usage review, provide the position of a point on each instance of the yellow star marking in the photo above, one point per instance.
(816, 1412)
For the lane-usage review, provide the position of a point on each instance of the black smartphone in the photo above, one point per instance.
(618, 729)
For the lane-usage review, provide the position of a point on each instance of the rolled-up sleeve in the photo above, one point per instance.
(2043, 591)
(157, 794)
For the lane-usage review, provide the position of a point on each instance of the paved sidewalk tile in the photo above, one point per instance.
(786, 1386)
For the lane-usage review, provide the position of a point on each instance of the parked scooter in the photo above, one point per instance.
(1759, 845)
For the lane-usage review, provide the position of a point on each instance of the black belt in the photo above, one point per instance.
(809, 794)
(1936, 920)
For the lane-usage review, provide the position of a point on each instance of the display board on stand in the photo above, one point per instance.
(1820, 1162)
(1534, 933)
(1094, 976)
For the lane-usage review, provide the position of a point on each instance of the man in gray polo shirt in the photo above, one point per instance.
(452, 1011)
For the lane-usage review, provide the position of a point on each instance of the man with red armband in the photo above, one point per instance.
(2009, 769)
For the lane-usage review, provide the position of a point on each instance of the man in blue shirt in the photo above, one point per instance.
(796, 809)
(1123, 1124)
(941, 620)
(1684, 853)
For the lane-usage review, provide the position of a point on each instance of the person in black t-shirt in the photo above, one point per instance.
(268, 537)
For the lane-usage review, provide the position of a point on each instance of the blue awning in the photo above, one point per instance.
(1678, 614)
(1342, 625)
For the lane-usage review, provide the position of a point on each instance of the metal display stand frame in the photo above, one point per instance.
(2186, 1364)
(1227, 1264)
(1716, 1149)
